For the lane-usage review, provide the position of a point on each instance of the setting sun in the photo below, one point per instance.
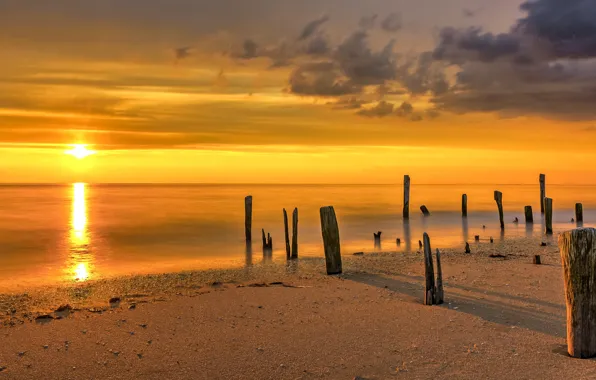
(79, 151)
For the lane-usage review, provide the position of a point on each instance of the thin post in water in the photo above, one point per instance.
(499, 200)
(579, 213)
(529, 215)
(548, 215)
(464, 205)
(330, 231)
(429, 273)
(542, 191)
(439, 291)
(295, 233)
(406, 212)
(248, 217)
(287, 233)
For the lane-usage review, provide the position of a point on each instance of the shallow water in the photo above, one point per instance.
(81, 232)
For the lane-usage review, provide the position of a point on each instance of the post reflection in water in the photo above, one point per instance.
(80, 260)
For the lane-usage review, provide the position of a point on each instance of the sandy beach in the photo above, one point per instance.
(502, 318)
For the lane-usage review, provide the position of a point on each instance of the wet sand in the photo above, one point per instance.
(502, 318)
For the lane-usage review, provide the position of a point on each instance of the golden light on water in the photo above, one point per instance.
(81, 272)
(79, 214)
(80, 258)
(80, 151)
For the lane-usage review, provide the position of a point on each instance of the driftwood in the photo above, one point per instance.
(579, 213)
(529, 215)
(424, 210)
(499, 200)
(406, 211)
(287, 234)
(295, 233)
(464, 205)
(542, 180)
(330, 231)
(548, 215)
(429, 273)
(439, 292)
(248, 217)
(578, 255)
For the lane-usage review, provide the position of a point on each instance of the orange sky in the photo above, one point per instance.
(72, 73)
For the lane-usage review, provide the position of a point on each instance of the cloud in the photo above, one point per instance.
(321, 79)
(392, 23)
(460, 45)
(368, 22)
(382, 109)
(312, 27)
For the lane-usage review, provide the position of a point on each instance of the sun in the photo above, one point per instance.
(80, 151)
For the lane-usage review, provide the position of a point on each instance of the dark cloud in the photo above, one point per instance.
(351, 102)
(182, 53)
(405, 109)
(381, 109)
(460, 45)
(368, 22)
(312, 27)
(318, 45)
(423, 75)
(321, 79)
(250, 49)
(392, 23)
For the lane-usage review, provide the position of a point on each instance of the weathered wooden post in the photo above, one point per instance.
(439, 292)
(429, 273)
(424, 210)
(406, 212)
(578, 254)
(330, 232)
(295, 233)
(464, 205)
(264, 238)
(548, 217)
(287, 233)
(537, 260)
(248, 217)
(398, 241)
(579, 213)
(499, 200)
(529, 215)
(542, 191)
(468, 248)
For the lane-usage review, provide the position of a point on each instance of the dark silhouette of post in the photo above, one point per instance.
(464, 205)
(542, 192)
(548, 215)
(529, 215)
(295, 233)
(578, 255)
(499, 200)
(579, 213)
(248, 217)
(429, 273)
(330, 232)
(424, 210)
(439, 292)
(406, 212)
(287, 234)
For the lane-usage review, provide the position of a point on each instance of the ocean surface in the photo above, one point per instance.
(79, 232)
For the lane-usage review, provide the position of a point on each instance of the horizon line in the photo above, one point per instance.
(282, 184)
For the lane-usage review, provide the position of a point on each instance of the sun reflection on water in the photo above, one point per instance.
(80, 259)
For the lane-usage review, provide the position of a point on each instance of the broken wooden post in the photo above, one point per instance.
(330, 232)
(499, 200)
(537, 260)
(377, 237)
(439, 291)
(248, 217)
(424, 210)
(295, 233)
(398, 241)
(420, 244)
(406, 212)
(264, 238)
(468, 248)
(579, 213)
(529, 215)
(578, 255)
(491, 240)
(548, 215)
(464, 205)
(476, 237)
(267, 241)
(429, 273)
(542, 191)
(287, 233)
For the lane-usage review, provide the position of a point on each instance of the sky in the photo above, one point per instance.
(311, 91)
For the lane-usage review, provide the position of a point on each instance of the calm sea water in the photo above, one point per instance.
(79, 232)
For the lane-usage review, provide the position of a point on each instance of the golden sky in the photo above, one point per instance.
(280, 91)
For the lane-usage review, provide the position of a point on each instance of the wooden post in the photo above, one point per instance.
(499, 200)
(264, 238)
(548, 218)
(464, 205)
(330, 232)
(406, 212)
(542, 191)
(468, 248)
(287, 233)
(248, 217)
(529, 215)
(398, 241)
(295, 233)
(579, 213)
(578, 255)
(424, 210)
(429, 273)
(537, 260)
(476, 237)
(439, 291)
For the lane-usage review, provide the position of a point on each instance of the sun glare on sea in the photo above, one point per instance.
(79, 151)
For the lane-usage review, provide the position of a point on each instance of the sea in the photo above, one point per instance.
(80, 232)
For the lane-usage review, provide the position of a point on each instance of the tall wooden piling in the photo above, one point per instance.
(248, 217)
(499, 200)
(287, 233)
(529, 215)
(406, 212)
(295, 233)
(429, 273)
(579, 213)
(578, 255)
(548, 215)
(330, 231)
(542, 180)
(464, 205)
(439, 292)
